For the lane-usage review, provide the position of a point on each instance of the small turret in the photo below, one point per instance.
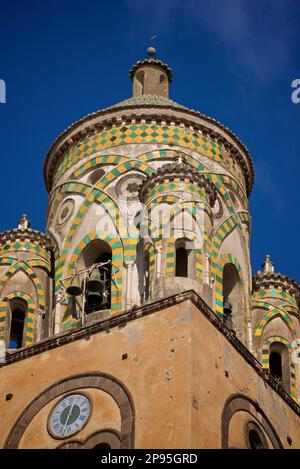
(24, 223)
(151, 76)
(268, 265)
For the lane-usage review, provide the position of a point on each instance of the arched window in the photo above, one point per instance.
(181, 258)
(233, 298)
(275, 365)
(139, 82)
(18, 308)
(254, 440)
(99, 297)
(102, 446)
(279, 364)
(255, 437)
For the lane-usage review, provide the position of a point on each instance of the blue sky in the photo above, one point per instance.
(232, 59)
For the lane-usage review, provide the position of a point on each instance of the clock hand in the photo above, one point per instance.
(67, 420)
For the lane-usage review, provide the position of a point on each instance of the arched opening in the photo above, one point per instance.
(18, 308)
(181, 258)
(232, 298)
(181, 262)
(255, 441)
(98, 284)
(162, 78)
(139, 83)
(279, 364)
(275, 365)
(102, 446)
(96, 175)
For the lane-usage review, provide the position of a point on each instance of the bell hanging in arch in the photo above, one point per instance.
(95, 283)
(74, 289)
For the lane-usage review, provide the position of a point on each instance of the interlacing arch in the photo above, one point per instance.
(265, 355)
(168, 220)
(117, 265)
(244, 218)
(171, 154)
(217, 179)
(178, 186)
(148, 224)
(96, 195)
(158, 155)
(31, 318)
(273, 311)
(112, 211)
(123, 168)
(92, 194)
(223, 231)
(290, 309)
(7, 260)
(96, 162)
(24, 267)
(219, 265)
(225, 179)
(24, 245)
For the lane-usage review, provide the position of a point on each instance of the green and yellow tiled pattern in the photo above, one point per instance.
(150, 133)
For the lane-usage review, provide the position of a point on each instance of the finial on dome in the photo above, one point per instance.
(24, 223)
(268, 265)
(151, 51)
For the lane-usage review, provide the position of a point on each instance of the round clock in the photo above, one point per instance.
(69, 415)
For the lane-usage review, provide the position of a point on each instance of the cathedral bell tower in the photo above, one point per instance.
(149, 151)
(136, 319)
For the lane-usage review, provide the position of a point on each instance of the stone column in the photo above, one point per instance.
(158, 261)
(207, 269)
(129, 265)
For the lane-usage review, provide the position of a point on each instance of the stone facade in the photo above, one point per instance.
(148, 227)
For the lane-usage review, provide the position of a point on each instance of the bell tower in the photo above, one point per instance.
(135, 321)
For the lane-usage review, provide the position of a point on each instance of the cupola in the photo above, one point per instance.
(151, 76)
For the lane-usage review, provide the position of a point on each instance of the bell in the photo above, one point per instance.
(93, 297)
(94, 283)
(227, 307)
(74, 289)
(93, 301)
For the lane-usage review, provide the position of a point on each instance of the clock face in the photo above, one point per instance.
(69, 415)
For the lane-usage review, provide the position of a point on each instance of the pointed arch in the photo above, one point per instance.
(265, 355)
(113, 212)
(117, 264)
(31, 319)
(98, 161)
(23, 266)
(223, 231)
(273, 311)
(219, 265)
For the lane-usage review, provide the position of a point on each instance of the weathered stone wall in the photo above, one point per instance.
(176, 371)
